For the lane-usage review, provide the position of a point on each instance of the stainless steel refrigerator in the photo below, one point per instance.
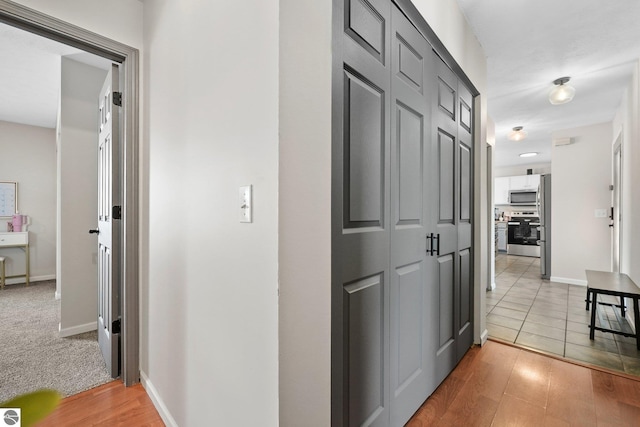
(544, 211)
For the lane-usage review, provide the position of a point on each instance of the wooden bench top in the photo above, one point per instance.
(612, 283)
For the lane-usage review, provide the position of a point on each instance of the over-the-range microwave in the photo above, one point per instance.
(523, 197)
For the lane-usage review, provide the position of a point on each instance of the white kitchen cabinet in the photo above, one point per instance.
(501, 228)
(524, 182)
(503, 185)
(501, 191)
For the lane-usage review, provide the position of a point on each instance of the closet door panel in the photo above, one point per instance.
(466, 294)
(365, 333)
(361, 213)
(444, 196)
(465, 225)
(365, 22)
(410, 372)
(364, 154)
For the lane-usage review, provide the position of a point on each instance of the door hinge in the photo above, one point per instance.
(117, 99)
(115, 326)
(116, 212)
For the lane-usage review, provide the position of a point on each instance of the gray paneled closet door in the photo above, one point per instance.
(411, 220)
(401, 217)
(443, 194)
(451, 192)
(360, 215)
(464, 288)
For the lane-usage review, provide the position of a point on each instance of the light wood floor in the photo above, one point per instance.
(496, 385)
(111, 404)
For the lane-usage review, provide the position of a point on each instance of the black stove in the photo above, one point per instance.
(524, 233)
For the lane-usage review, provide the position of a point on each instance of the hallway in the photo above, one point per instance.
(551, 317)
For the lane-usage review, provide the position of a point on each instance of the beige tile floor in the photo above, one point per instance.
(550, 316)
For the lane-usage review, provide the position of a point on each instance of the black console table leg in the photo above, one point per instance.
(587, 300)
(594, 307)
(636, 319)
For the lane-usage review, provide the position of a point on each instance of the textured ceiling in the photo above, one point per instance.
(30, 76)
(530, 43)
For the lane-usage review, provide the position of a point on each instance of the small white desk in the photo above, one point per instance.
(17, 240)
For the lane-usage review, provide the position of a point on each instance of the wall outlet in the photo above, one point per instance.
(246, 204)
(600, 213)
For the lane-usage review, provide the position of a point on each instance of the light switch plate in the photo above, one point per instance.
(600, 213)
(246, 204)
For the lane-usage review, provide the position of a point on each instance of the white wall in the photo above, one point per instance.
(212, 97)
(305, 213)
(305, 194)
(581, 176)
(28, 156)
(77, 158)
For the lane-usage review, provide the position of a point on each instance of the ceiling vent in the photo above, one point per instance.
(562, 141)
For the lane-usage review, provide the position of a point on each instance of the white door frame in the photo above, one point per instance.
(52, 28)
(616, 203)
(491, 226)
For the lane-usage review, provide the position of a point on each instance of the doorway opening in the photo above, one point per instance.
(128, 58)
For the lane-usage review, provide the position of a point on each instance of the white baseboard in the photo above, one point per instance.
(75, 330)
(569, 281)
(42, 278)
(20, 280)
(157, 401)
(484, 337)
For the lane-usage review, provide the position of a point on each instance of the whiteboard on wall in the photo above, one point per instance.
(8, 198)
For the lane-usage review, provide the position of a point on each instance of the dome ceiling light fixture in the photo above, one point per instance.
(561, 92)
(532, 154)
(517, 134)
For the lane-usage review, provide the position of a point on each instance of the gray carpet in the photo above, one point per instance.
(32, 356)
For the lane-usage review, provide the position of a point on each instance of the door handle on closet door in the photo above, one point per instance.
(96, 231)
(433, 238)
(430, 245)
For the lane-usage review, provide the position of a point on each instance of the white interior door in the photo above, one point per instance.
(108, 224)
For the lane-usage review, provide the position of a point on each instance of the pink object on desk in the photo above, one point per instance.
(18, 221)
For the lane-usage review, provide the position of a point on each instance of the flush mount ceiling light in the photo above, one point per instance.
(532, 154)
(517, 134)
(562, 92)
